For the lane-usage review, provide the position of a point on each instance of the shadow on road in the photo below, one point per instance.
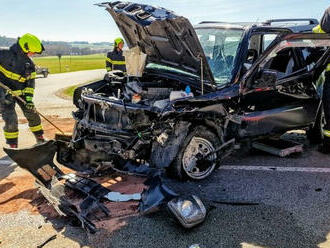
(6, 167)
(29, 194)
(5, 187)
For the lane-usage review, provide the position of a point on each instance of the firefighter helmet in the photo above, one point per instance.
(30, 43)
(118, 41)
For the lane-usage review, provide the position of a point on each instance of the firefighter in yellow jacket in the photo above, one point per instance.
(324, 27)
(115, 59)
(17, 71)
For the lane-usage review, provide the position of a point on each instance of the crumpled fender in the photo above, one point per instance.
(162, 155)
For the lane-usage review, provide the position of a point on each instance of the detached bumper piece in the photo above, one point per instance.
(69, 194)
(156, 195)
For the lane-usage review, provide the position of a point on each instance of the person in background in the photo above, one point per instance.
(115, 59)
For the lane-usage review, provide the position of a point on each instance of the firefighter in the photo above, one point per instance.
(115, 59)
(324, 27)
(17, 71)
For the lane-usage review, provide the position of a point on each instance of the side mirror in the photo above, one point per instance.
(267, 78)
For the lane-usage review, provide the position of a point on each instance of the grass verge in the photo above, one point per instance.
(67, 93)
(71, 63)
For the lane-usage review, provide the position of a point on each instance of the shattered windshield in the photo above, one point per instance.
(168, 68)
(220, 48)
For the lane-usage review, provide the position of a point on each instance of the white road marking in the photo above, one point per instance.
(273, 168)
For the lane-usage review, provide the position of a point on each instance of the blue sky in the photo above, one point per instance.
(71, 20)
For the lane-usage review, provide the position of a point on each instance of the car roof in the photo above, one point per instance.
(294, 25)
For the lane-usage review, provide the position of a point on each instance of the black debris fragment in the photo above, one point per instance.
(156, 195)
(235, 202)
(47, 241)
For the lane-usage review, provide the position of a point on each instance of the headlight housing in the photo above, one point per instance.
(189, 211)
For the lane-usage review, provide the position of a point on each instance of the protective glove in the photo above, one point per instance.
(29, 103)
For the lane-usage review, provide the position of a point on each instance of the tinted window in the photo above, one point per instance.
(267, 39)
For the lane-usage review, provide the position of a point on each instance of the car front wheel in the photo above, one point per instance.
(197, 157)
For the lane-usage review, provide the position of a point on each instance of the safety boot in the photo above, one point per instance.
(40, 139)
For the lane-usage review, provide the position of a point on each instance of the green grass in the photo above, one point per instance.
(71, 63)
(69, 91)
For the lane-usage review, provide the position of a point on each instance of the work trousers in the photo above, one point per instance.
(7, 109)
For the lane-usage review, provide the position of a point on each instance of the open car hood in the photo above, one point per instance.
(166, 38)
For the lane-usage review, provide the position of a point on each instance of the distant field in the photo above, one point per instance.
(71, 63)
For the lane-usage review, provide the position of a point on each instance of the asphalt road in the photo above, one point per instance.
(286, 203)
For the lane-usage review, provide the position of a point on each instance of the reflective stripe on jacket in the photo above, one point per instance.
(115, 61)
(318, 30)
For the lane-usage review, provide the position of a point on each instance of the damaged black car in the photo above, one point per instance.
(192, 93)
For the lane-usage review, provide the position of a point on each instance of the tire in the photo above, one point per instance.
(315, 133)
(184, 166)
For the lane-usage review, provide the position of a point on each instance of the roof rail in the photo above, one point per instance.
(206, 22)
(311, 21)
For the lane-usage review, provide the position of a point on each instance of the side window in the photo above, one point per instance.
(288, 57)
(254, 49)
(284, 63)
(311, 55)
(257, 45)
(267, 39)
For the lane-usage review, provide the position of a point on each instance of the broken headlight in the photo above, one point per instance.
(189, 211)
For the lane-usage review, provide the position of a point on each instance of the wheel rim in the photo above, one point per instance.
(198, 148)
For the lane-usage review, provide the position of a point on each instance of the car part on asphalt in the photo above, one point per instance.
(234, 202)
(156, 195)
(278, 147)
(47, 241)
(189, 211)
(118, 197)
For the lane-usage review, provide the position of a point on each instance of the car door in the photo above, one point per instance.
(279, 93)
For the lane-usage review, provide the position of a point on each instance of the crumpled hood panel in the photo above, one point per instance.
(166, 38)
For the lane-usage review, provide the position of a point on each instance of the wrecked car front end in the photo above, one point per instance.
(112, 131)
